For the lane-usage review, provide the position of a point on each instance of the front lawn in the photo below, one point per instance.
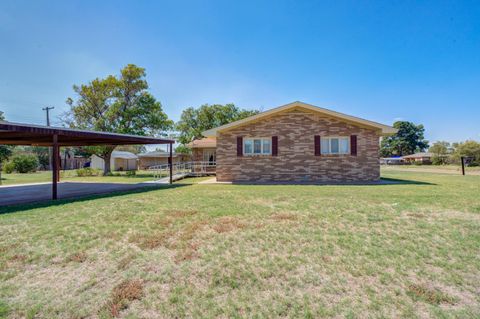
(202, 251)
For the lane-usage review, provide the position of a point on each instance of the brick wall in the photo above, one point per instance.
(296, 160)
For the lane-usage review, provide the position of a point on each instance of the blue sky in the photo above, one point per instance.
(380, 60)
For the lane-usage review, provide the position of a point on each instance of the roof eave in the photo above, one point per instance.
(384, 130)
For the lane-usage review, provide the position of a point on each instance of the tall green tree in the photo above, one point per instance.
(194, 121)
(408, 140)
(119, 104)
(2, 116)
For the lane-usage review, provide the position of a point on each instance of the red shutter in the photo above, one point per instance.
(274, 145)
(353, 145)
(239, 146)
(317, 145)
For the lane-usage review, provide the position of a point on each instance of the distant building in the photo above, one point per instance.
(120, 161)
(421, 158)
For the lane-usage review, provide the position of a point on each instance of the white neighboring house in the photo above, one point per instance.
(120, 161)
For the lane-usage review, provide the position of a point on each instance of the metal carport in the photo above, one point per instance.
(55, 137)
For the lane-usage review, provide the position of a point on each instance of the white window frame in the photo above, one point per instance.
(252, 139)
(329, 139)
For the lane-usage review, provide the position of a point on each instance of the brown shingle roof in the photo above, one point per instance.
(203, 143)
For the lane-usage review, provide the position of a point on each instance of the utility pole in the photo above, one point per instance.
(47, 109)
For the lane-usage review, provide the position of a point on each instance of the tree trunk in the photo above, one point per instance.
(106, 159)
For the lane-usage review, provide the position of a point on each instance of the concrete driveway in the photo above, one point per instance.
(22, 194)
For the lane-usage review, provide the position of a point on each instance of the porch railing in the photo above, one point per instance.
(184, 168)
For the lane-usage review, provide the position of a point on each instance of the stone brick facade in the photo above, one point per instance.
(296, 161)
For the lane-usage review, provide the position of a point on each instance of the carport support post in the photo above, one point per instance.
(170, 161)
(55, 166)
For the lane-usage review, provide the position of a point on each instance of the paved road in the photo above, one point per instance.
(21, 194)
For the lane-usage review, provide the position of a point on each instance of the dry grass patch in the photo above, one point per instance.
(430, 295)
(416, 215)
(123, 294)
(183, 213)
(284, 216)
(189, 253)
(151, 241)
(228, 224)
(79, 257)
(125, 261)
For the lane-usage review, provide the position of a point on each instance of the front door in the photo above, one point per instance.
(209, 156)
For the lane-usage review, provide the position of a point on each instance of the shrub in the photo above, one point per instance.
(8, 168)
(439, 160)
(131, 173)
(25, 163)
(88, 171)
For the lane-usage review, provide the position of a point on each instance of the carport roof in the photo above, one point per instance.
(30, 134)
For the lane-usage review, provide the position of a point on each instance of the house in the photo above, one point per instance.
(204, 150)
(419, 158)
(296, 143)
(149, 159)
(120, 161)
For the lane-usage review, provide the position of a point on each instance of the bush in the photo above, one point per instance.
(88, 171)
(131, 173)
(25, 163)
(439, 160)
(8, 168)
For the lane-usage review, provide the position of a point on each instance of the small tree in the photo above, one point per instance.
(440, 151)
(117, 104)
(469, 149)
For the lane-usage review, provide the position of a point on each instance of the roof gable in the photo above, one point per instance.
(383, 129)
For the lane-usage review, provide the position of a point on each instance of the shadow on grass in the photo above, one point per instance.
(397, 181)
(384, 181)
(14, 208)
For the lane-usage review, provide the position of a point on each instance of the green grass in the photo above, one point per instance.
(403, 250)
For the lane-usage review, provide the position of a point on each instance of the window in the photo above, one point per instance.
(335, 145)
(257, 146)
